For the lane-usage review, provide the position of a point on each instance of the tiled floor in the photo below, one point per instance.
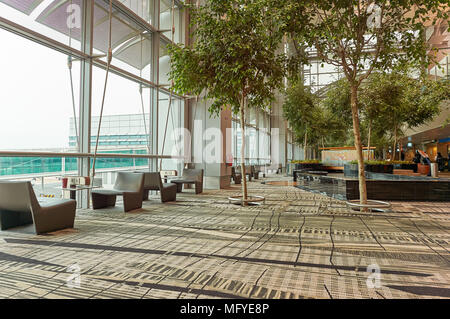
(297, 245)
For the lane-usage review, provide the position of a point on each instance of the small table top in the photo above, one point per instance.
(183, 181)
(78, 188)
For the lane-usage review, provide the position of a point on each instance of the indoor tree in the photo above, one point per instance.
(395, 101)
(233, 59)
(301, 112)
(359, 36)
(311, 119)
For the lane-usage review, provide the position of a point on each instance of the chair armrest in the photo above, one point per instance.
(55, 216)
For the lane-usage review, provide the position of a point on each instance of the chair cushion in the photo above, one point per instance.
(108, 192)
(180, 181)
(169, 185)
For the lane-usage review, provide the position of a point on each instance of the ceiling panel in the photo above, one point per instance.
(25, 6)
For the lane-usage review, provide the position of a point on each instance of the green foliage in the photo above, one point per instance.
(306, 162)
(388, 103)
(337, 100)
(312, 120)
(401, 162)
(300, 110)
(373, 162)
(395, 101)
(343, 35)
(233, 58)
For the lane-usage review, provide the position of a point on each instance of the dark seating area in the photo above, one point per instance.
(256, 171)
(19, 206)
(236, 177)
(129, 185)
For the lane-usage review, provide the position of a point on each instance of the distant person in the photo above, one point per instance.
(440, 161)
(402, 156)
(417, 157)
(427, 161)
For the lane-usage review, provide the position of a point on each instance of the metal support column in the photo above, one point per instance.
(87, 28)
(154, 77)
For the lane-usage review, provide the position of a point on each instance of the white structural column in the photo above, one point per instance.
(278, 133)
(86, 94)
(154, 77)
(210, 137)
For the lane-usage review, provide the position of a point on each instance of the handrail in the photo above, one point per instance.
(84, 155)
(68, 173)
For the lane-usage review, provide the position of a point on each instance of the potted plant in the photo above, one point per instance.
(233, 61)
(423, 169)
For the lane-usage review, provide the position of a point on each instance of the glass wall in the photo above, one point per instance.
(170, 139)
(257, 133)
(38, 113)
(143, 8)
(35, 96)
(172, 15)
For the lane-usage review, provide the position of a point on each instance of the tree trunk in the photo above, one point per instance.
(244, 177)
(306, 143)
(358, 145)
(368, 140)
(394, 151)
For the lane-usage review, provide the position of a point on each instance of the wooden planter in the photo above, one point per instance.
(309, 166)
(423, 169)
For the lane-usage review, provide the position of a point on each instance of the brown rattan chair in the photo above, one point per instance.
(153, 182)
(237, 177)
(19, 206)
(129, 185)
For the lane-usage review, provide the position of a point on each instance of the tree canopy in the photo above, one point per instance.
(233, 56)
(233, 60)
(359, 37)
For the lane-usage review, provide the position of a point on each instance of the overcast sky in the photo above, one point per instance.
(35, 95)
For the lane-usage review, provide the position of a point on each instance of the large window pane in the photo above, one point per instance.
(125, 122)
(35, 96)
(166, 20)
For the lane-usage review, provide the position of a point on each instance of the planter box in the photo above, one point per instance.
(309, 166)
(384, 169)
(351, 170)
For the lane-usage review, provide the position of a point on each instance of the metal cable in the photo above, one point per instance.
(104, 89)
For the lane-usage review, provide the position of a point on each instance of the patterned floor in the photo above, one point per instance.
(297, 245)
